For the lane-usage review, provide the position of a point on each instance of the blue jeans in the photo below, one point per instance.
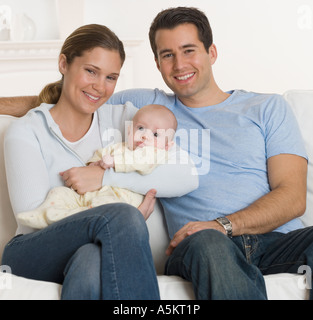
(224, 268)
(101, 253)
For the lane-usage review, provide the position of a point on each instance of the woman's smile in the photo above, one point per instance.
(91, 97)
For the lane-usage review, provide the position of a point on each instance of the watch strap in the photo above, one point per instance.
(226, 224)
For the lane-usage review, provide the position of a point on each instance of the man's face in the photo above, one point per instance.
(185, 65)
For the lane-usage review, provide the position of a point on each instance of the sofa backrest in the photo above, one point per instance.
(301, 102)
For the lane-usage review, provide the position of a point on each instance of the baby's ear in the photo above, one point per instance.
(169, 145)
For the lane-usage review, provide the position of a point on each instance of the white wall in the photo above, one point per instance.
(42, 12)
(263, 45)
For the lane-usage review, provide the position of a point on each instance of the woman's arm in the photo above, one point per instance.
(173, 179)
(26, 172)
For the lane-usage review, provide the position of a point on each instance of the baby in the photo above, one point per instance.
(149, 138)
(153, 127)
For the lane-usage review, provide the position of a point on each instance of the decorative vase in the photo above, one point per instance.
(5, 22)
(23, 28)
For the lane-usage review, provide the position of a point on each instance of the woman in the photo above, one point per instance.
(101, 253)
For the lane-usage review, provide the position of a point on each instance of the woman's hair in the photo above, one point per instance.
(82, 39)
(173, 17)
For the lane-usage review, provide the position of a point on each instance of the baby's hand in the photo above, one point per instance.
(107, 162)
(93, 164)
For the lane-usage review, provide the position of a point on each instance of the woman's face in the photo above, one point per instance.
(90, 80)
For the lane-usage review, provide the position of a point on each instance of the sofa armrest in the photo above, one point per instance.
(7, 221)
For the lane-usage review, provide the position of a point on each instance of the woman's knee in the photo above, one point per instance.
(133, 222)
(122, 214)
(122, 218)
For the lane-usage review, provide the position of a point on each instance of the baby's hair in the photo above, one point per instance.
(160, 108)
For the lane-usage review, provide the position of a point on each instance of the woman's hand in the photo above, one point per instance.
(147, 205)
(83, 179)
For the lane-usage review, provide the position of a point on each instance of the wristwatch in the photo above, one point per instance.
(226, 224)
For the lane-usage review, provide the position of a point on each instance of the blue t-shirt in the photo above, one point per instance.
(230, 143)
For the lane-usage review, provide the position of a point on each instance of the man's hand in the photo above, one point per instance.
(83, 179)
(189, 229)
(147, 205)
(17, 106)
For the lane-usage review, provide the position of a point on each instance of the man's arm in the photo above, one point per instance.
(287, 176)
(17, 106)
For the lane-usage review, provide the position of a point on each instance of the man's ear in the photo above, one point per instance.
(62, 63)
(157, 63)
(213, 53)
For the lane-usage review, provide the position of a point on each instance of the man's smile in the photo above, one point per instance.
(184, 77)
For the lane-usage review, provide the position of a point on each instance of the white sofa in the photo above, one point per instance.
(279, 286)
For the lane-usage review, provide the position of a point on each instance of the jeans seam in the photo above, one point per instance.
(112, 260)
(250, 247)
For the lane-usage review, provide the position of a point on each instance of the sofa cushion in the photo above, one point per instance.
(18, 288)
(301, 102)
(281, 286)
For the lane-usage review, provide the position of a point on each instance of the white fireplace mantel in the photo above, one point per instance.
(26, 67)
(21, 57)
(10, 50)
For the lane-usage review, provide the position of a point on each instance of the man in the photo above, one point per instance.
(222, 233)
(242, 221)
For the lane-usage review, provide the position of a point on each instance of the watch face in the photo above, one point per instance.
(224, 220)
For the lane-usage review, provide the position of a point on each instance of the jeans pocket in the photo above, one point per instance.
(250, 245)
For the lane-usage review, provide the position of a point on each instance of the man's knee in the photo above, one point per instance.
(208, 245)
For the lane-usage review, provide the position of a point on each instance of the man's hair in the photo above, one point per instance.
(173, 17)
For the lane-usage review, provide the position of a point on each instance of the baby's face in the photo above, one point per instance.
(150, 131)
